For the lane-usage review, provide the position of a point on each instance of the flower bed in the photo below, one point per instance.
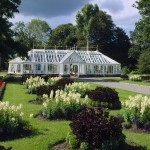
(33, 82)
(2, 88)
(77, 87)
(11, 122)
(62, 105)
(136, 112)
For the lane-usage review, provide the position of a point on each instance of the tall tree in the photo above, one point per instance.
(63, 35)
(85, 19)
(144, 62)
(7, 10)
(34, 34)
(119, 46)
(98, 28)
(141, 34)
(39, 31)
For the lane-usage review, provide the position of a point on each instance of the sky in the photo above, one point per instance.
(57, 12)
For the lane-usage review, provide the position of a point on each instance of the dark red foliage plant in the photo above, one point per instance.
(95, 126)
(63, 81)
(103, 94)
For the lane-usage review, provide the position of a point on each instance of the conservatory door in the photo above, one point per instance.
(74, 70)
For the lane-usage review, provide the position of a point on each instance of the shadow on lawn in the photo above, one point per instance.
(26, 133)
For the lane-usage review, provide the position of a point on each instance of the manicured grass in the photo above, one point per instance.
(3, 72)
(50, 132)
(142, 139)
(118, 79)
(137, 82)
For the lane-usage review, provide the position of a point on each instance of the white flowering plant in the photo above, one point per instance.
(135, 78)
(136, 108)
(63, 105)
(77, 87)
(53, 80)
(11, 120)
(33, 82)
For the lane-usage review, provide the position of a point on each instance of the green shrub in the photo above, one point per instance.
(12, 78)
(97, 128)
(135, 78)
(72, 141)
(144, 62)
(84, 146)
(125, 70)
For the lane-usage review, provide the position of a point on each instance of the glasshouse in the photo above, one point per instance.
(64, 63)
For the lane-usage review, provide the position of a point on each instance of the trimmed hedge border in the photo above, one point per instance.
(2, 89)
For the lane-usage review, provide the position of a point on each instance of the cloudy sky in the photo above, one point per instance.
(57, 12)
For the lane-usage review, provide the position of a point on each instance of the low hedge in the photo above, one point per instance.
(145, 78)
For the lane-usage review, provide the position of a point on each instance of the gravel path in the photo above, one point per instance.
(120, 85)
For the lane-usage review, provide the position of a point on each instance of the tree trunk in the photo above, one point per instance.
(87, 47)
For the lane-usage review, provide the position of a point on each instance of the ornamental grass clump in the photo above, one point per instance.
(33, 82)
(135, 78)
(97, 129)
(62, 105)
(136, 109)
(77, 87)
(11, 121)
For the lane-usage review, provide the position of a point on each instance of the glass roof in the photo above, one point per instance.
(41, 55)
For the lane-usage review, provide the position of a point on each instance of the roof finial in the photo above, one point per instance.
(97, 48)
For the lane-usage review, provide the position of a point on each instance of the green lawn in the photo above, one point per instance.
(50, 132)
(3, 72)
(118, 79)
(136, 82)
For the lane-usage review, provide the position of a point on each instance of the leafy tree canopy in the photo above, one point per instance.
(141, 35)
(99, 30)
(63, 36)
(144, 62)
(39, 30)
(7, 44)
(34, 34)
